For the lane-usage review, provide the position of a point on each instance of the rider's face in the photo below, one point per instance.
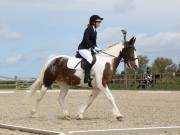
(97, 23)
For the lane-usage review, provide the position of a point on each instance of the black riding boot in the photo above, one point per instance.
(87, 77)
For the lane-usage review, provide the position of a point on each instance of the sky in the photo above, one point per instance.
(33, 30)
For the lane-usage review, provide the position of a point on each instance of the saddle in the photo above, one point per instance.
(83, 61)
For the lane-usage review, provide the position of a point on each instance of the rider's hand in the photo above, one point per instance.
(94, 51)
(97, 49)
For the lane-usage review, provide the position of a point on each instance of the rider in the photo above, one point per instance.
(88, 45)
(148, 76)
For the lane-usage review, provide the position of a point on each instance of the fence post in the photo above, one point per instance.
(135, 79)
(161, 81)
(125, 75)
(154, 80)
(16, 84)
(167, 76)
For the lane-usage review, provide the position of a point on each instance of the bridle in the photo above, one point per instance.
(121, 56)
(127, 60)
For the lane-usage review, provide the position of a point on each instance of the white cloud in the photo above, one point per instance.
(147, 16)
(113, 6)
(5, 33)
(111, 35)
(162, 44)
(68, 5)
(14, 59)
(161, 41)
(123, 5)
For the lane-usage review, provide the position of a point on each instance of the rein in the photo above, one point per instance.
(124, 60)
(119, 57)
(108, 54)
(111, 55)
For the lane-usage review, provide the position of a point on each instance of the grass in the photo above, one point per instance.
(7, 87)
(162, 84)
(7, 84)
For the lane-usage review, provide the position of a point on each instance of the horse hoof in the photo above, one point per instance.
(33, 115)
(67, 117)
(79, 117)
(33, 112)
(119, 118)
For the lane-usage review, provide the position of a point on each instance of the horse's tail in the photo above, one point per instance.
(38, 83)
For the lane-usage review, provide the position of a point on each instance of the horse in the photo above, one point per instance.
(59, 69)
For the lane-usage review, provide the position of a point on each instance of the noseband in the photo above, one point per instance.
(125, 59)
(129, 60)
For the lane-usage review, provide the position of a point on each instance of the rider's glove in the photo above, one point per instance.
(93, 50)
(97, 49)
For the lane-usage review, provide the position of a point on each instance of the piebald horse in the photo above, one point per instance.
(107, 61)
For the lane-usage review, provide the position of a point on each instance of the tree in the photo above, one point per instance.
(143, 63)
(163, 65)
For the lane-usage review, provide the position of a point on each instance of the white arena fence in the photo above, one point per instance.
(129, 81)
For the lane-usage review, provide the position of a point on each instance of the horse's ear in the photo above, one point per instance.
(132, 40)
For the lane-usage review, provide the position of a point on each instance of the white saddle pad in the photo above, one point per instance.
(73, 63)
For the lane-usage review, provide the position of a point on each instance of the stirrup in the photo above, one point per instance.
(89, 83)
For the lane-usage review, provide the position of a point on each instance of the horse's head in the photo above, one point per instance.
(129, 54)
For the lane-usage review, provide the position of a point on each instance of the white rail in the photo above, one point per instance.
(126, 130)
(30, 130)
(93, 132)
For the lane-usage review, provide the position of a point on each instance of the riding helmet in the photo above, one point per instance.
(93, 18)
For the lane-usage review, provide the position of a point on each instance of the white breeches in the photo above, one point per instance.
(86, 54)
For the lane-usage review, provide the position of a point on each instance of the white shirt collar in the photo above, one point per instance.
(94, 28)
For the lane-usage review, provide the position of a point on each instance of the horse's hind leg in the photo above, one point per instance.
(38, 100)
(47, 80)
(93, 95)
(64, 90)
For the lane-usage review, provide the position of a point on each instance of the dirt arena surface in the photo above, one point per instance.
(139, 110)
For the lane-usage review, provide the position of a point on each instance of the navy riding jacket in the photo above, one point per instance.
(89, 38)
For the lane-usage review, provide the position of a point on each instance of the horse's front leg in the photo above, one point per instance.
(93, 95)
(110, 97)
